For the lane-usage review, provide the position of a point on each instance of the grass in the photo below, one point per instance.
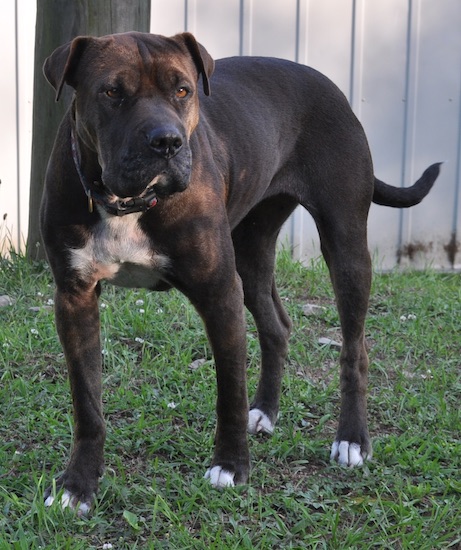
(159, 407)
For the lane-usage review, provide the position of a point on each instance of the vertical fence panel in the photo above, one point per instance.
(429, 227)
(168, 18)
(8, 136)
(381, 107)
(217, 26)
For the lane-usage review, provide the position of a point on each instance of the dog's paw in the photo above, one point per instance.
(219, 477)
(259, 422)
(348, 454)
(69, 501)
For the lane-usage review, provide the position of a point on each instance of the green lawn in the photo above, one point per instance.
(159, 407)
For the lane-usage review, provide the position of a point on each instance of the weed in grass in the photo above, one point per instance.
(160, 415)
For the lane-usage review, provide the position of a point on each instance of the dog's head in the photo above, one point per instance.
(136, 105)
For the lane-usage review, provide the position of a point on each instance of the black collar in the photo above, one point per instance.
(96, 192)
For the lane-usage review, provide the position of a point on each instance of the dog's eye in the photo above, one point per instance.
(114, 93)
(182, 92)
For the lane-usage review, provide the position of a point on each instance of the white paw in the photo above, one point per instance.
(68, 501)
(258, 422)
(348, 454)
(219, 477)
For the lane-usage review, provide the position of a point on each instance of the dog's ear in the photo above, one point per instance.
(61, 66)
(202, 59)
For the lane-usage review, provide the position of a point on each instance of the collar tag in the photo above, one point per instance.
(90, 202)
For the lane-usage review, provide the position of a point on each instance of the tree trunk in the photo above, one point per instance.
(58, 22)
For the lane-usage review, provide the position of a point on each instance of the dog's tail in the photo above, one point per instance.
(404, 197)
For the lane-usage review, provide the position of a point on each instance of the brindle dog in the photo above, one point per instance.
(155, 183)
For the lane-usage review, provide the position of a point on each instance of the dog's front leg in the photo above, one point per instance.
(77, 321)
(225, 323)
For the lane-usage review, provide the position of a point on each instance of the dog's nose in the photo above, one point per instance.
(165, 141)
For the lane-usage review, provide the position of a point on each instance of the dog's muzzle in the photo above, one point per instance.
(99, 194)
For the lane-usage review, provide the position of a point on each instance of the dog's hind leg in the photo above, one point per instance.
(344, 246)
(254, 241)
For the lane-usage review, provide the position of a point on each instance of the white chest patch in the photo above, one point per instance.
(119, 251)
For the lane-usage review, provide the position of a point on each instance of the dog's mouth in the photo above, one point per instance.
(114, 204)
(148, 192)
(161, 186)
(135, 184)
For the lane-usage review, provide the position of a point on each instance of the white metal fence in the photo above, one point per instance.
(398, 62)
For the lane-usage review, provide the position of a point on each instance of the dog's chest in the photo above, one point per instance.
(119, 251)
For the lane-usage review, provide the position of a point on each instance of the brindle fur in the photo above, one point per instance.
(228, 169)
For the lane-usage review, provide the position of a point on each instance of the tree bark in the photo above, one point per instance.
(58, 22)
